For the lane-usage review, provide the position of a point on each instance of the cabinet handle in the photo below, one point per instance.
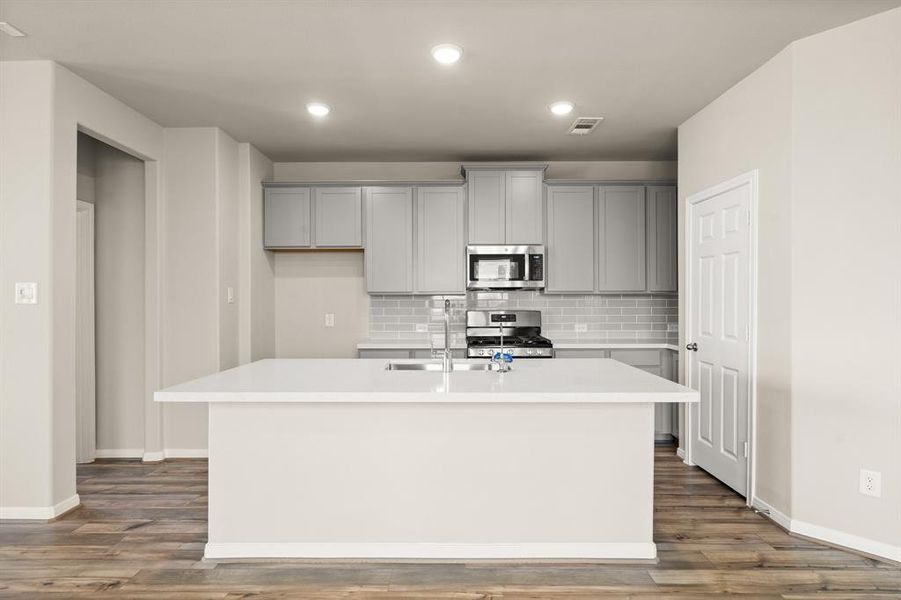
(692, 346)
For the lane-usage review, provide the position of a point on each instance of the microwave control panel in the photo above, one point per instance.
(536, 267)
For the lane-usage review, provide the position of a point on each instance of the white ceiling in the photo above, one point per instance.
(250, 67)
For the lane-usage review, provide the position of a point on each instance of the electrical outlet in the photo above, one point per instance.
(581, 327)
(329, 319)
(871, 483)
(230, 295)
(672, 327)
(422, 328)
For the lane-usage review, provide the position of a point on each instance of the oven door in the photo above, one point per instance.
(504, 267)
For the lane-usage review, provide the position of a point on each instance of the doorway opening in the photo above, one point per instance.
(110, 298)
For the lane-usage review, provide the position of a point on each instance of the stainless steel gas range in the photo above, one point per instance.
(518, 332)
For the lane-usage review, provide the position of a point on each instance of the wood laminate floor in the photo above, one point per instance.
(141, 528)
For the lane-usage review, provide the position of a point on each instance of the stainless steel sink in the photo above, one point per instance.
(436, 366)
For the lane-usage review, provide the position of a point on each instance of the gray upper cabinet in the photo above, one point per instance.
(621, 261)
(662, 239)
(308, 217)
(570, 239)
(338, 220)
(286, 218)
(505, 205)
(388, 256)
(487, 206)
(440, 241)
(523, 207)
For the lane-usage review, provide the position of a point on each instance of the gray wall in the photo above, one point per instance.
(846, 277)
(749, 127)
(821, 123)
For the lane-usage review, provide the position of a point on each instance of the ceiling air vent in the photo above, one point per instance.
(584, 125)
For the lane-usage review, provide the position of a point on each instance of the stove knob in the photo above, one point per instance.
(530, 351)
(481, 352)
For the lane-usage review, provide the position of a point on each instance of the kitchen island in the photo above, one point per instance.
(342, 458)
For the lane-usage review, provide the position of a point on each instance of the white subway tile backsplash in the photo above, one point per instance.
(609, 317)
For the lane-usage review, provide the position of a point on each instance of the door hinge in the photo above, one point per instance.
(745, 449)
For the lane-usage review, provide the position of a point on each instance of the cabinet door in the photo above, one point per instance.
(338, 213)
(388, 255)
(621, 239)
(524, 224)
(286, 217)
(487, 200)
(441, 247)
(662, 239)
(570, 239)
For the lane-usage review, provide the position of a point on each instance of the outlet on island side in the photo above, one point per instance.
(871, 483)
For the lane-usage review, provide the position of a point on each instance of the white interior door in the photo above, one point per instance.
(85, 383)
(719, 329)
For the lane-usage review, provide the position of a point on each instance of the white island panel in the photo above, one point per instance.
(402, 481)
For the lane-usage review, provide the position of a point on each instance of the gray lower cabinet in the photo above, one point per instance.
(401, 353)
(388, 255)
(286, 218)
(338, 220)
(659, 362)
(570, 239)
(440, 241)
(662, 238)
(621, 258)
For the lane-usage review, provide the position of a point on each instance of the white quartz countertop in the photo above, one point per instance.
(576, 380)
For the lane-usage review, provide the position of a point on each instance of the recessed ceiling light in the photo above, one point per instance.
(563, 107)
(318, 109)
(10, 30)
(447, 54)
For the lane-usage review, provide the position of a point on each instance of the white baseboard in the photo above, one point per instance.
(175, 453)
(781, 519)
(39, 513)
(846, 540)
(830, 536)
(119, 453)
(153, 456)
(431, 551)
(186, 453)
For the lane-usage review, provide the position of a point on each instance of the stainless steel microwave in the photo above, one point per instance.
(505, 267)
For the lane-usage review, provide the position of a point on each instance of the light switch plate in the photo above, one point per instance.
(672, 327)
(26, 292)
(329, 319)
(230, 295)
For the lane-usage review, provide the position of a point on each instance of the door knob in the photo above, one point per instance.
(692, 346)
